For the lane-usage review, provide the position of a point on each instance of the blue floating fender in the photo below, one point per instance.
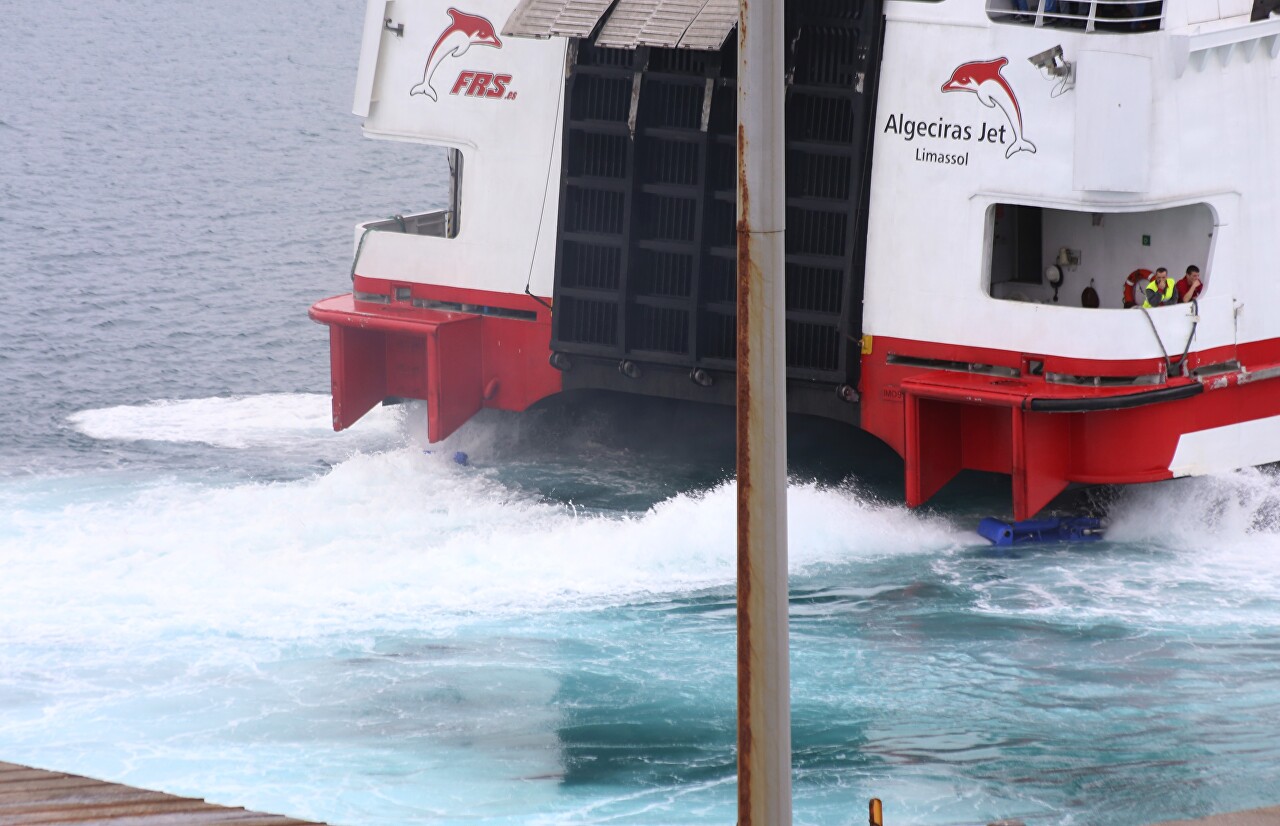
(459, 457)
(1052, 529)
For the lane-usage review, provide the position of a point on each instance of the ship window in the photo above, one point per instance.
(442, 222)
(1095, 250)
(1124, 16)
(455, 192)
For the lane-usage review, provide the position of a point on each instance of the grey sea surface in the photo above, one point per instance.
(179, 184)
(205, 590)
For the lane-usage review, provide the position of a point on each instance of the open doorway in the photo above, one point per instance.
(1057, 256)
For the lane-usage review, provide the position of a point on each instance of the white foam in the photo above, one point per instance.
(1222, 532)
(398, 538)
(1226, 509)
(390, 540)
(1199, 552)
(237, 422)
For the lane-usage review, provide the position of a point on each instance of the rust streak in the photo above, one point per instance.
(745, 740)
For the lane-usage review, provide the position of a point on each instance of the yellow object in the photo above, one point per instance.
(877, 815)
(1152, 291)
(866, 351)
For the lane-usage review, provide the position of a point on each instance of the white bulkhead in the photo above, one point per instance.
(1155, 153)
(448, 78)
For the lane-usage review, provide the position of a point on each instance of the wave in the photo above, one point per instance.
(389, 537)
(237, 422)
(391, 540)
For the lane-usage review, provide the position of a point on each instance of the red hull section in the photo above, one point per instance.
(457, 361)
(942, 408)
(953, 422)
(1045, 435)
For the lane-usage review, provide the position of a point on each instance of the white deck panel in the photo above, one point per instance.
(559, 18)
(712, 25)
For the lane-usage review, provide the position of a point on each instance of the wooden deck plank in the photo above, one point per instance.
(38, 787)
(81, 797)
(98, 810)
(97, 813)
(24, 775)
(35, 797)
(209, 817)
(78, 797)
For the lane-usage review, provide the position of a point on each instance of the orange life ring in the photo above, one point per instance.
(1131, 284)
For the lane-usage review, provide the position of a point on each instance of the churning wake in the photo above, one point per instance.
(388, 536)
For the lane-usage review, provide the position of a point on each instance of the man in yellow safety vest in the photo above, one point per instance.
(1160, 290)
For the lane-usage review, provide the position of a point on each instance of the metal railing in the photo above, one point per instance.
(437, 223)
(1117, 16)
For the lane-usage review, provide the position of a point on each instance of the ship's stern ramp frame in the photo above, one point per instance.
(645, 274)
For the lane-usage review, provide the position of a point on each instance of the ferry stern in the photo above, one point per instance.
(968, 186)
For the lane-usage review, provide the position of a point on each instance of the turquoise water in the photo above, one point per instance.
(203, 589)
(398, 639)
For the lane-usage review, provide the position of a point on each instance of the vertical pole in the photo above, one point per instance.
(764, 672)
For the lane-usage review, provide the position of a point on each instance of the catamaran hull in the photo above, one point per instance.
(457, 362)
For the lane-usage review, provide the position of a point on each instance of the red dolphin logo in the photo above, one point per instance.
(983, 78)
(465, 31)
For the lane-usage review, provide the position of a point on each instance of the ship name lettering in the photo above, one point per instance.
(990, 134)
(919, 128)
(925, 156)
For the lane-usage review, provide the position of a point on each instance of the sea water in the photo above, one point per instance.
(205, 590)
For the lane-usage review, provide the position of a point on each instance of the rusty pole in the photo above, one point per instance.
(764, 672)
